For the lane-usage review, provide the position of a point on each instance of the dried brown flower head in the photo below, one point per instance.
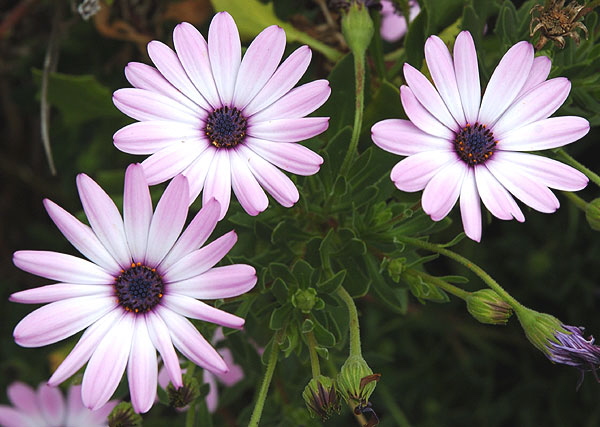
(555, 21)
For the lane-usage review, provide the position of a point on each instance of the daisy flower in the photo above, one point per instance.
(393, 24)
(462, 145)
(223, 121)
(46, 407)
(135, 292)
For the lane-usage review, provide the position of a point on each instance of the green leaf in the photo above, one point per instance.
(280, 290)
(334, 155)
(340, 105)
(304, 274)
(282, 271)
(78, 98)
(280, 317)
(396, 301)
(307, 326)
(330, 285)
(323, 336)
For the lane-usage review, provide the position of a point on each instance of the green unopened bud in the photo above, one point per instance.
(540, 328)
(305, 299)
(123, 415)
(357, 28)
(486, 306)
(321, 397)
(396, 267)
(184, 395)
(356, 381)
(592, 214)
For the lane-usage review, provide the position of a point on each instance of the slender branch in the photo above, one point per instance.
(487, 279)
(264, 388)
(442, 284)
(359, 78)
(353, 326)
(577, 201)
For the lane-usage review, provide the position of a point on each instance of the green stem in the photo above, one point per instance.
(488, 280)
(353, 325)
(264, 388)
(314, 357)
(442, 284)
(570, 160)
(190, 416)
(577, 201)
(359, 78)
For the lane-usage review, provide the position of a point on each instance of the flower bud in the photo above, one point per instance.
(486, 306)
(592, 214)
(123, 415)
(305, 299)
(357, 28)
(356, 381)
(184, 395)
(540, 328)
(321, 397)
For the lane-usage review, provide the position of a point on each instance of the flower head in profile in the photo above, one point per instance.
(46, 407)
(223, 121)
(393, 23)
(460, 144)
(133, 294)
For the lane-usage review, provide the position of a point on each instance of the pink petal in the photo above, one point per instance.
(141, 104)
(168, 220)
(106, 366)
(404, 138)
(235, 374)
(61, 267)
(218, 181)
(298, 102)
(421, 118)
(85, 347)
(105, 219)
(259, 63)
(442, 191)
(197, 171)
(172, 160)
(521, 185)
(199, 261)
(145, 77)
(159, 334)
(190, 307)
(142, 369)
(467, 75)
(547, 171)
(224, 51)
(283, 79)
(52, 404)
(10, 417)
(495, 197)
(169, 66)
(441, 68)
(218, 282)
(59, 291)
(538, 104)
(414, 172)
(393, 26)
(289, 130)
(428, 96)
(23, 397)
(74, 403)
(195, 235)
(212, 398)
(190, 343)
(137, 210)
(245, 187)
(152, 136)
(192, 51)
(506, 82)
(288, 156)
(81, 236)
(539, 73)
(545, 134)
(470, 207)
(61, 319)
(273, 180)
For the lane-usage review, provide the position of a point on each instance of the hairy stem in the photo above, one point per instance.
(264, 388)
(353, 326)
(571, 161)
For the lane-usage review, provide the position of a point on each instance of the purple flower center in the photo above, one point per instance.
(139, 288)
(474, 144)
(226, 127)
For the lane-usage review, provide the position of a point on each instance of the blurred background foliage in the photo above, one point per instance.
(439, 366)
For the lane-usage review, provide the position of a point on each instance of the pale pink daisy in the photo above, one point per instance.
(223, 121)
(460, 144)
(135, 292)
(393, 23)
(46, 407)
